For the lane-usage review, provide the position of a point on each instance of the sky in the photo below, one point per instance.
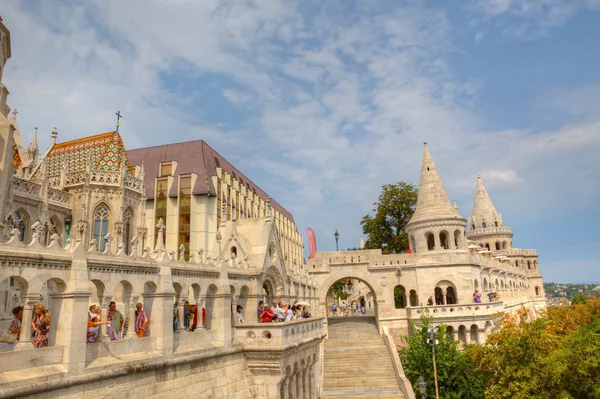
(321, 103)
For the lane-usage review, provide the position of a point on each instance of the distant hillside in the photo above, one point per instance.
(559, 290)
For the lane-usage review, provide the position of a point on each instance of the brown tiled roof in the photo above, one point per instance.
(192, 157)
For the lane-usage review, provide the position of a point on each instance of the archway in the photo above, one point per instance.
(336, 291)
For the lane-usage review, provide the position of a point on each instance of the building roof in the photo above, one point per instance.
(483, 205)
(193, 157)
(103, 151)
(432, 201)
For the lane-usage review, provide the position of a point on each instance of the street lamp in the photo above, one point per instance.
(337, 237)
(422, 387)
(432, 340)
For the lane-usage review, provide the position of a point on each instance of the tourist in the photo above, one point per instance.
(297, 313)
(175, 317)
(186, 315)
(11, 336)
(117, 321)
(41, 326)
(140, 321)
(280, 311)
(477, 297)
(239, 314)
(259, 310)
(289, 313)
(193, 317)
(94, 328)
(306, 312)
(94, 311)
(266, 315)
(363, 310)
(430, 300)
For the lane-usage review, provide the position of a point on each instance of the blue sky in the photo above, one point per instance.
(321, 103)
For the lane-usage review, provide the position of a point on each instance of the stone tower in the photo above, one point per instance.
(436, 225)
(486, 224)
(8, 126)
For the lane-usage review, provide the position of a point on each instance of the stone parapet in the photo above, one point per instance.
(450, 312)
(279, 334)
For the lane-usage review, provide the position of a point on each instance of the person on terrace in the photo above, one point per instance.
(11, 336)
(41, 326)
(93, 325)
(477, 297)
(239, 313)
(140, 321)
(117, 322)
(266, 315)
(259, 309)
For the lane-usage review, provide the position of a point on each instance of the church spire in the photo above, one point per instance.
(483, 205)
(432, 201)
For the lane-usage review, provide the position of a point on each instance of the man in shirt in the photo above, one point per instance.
(140, 321)
(280, 311)
(288, 313)
(117, 319)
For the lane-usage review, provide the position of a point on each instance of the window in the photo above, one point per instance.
(430, 241)
(160, 211)
(101, 216)
(166, 169)
(50, 230)
(127, 230)
(399, 297)
(22, 225)
(484, 225)
(185, 204)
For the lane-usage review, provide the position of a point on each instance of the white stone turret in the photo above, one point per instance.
(486, 224)
(4, 56)
(436, 224)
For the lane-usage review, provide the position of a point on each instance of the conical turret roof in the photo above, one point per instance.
(432, 201)
(483, 205)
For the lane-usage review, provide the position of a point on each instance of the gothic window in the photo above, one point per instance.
(22, 225)
(484, 225)
(127, 229)
(444, 240)
(101, 216)
(49, 230)
(430, 241)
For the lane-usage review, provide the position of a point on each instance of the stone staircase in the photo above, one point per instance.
(357, 362)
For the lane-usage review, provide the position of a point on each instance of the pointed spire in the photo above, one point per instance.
(432, 201)
(33, 146)
(483, 205)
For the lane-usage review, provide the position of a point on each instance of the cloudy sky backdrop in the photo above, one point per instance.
(321, 103)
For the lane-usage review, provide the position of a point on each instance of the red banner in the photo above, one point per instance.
(312, 242)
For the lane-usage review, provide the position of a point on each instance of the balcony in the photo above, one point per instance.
(279, 334)
(441, 312)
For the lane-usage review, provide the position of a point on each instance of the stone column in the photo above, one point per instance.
(306, 382)
(162, 310)
(313, 381)
(285, 389)
(26, 330)
(103, 333)
(436, 240)
(180, 315)
(292, 386)
(131, 322)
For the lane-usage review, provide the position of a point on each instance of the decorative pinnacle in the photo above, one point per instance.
(54, 132)
(424, 143)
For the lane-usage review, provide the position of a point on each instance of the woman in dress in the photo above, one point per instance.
(93, 329)
(41, 326)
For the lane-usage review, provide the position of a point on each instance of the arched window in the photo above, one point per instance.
(23, 224)
(528, 265)
(127, 229)
(399, 297)
(484, 225)
(430, 241)
(451, 296)
(517, 263)
(49, 230)
(487, 246)
(496, 224)
(414, 299)
(534, 264)
(498, 246)
(485, 284)
(444, 239)
(101, 215)
(537, 291)
(456, 238)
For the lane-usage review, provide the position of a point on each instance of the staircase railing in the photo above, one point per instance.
(403, 382)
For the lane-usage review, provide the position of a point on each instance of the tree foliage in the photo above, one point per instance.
(552, 357)
(337, 290)
(456, 376)
(393, 209)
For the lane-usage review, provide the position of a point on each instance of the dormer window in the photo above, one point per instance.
(166, 169)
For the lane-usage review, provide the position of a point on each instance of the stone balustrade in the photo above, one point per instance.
(451, 311)
(102, 177)
(279, 334)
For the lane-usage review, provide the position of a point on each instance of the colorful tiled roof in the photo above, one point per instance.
(102, 151)
(16, 159)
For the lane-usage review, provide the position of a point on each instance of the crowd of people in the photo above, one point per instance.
(281, 312)
(345, 310)
(117, 325)
(192, 314)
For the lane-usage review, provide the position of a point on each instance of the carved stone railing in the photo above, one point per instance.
(133, 183)
(105, 177)
(279, 333)
(29, 188)
(60, 197)
(450, 311)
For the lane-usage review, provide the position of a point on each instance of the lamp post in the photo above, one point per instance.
(432, 340)
(422, 387)
(337, 237)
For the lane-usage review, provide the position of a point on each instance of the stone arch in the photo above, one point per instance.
(538, 291)
(462, 334)
(444, 240)
(450, 332)
(430, 240)
(528, 265)
(53, 302)
(400, 299)
(147, 303)
(474, 334)
(243, 299)
(413, 298)
(274, 277)
(52, 227)
(372, 283)
(448, 289)
(498, 246)
(456, 239)
(485, 284)
(211, 292)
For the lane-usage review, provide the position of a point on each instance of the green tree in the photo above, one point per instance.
(456, 375)
(393, 209)
(337, 290)
(578, 299)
